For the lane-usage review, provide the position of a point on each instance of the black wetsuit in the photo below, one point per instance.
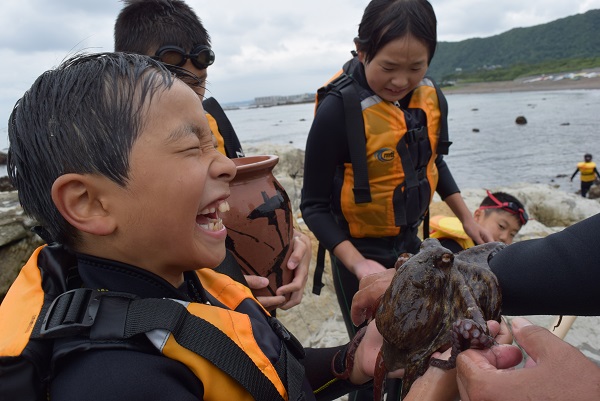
(555, 275)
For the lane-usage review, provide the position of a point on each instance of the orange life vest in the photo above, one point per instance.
(587, 171)
(227, 140)
(451, 228)
(21, 311)
(388, 138)
(214, 127)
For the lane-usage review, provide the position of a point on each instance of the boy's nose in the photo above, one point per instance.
(226, 168)
(506, 238)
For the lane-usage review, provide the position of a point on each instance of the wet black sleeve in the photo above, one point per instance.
(326, 151)
(325, 385)
(558, 274)
(575, 173)
(446, 184)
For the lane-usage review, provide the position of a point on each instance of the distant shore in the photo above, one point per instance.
(519, 86)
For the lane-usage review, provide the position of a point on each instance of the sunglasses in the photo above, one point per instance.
(509, 207)
(201, 56)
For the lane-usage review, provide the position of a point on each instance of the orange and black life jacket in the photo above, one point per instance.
(227, 140)
(38, 309)
(399, 144)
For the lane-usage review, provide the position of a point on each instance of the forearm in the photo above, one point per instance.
(478, 234)
(554, 275)
(348, 255)
(321, 223)
(458, 206)
(435, 385)
(318, 366)
(446, 184)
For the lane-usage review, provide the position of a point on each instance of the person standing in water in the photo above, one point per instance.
(588, 173)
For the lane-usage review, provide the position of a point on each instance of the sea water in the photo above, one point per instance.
(489, 149)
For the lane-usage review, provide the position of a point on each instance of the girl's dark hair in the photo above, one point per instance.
(143, 25)
(386, 20)
(82, 117)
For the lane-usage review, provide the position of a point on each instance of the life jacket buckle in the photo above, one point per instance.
(288, 338)
(415, 135)
(72, 312)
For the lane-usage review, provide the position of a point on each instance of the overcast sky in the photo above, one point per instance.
(263, 47)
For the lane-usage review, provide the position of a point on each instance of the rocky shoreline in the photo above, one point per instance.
(522, 85)
(318, 322)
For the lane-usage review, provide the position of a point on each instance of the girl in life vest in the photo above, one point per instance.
(365, 204)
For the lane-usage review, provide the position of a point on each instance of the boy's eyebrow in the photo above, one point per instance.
(184, 131)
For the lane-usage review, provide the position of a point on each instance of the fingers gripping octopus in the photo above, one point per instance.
(436, 300)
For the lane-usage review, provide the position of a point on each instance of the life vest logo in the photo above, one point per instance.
(385, 154)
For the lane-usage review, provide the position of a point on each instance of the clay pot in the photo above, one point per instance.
(259, 222)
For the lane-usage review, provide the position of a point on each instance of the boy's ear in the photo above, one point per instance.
(79, 199)
(477, 215)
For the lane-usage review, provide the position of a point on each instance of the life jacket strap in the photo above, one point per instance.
(355, 130)
(319, 269)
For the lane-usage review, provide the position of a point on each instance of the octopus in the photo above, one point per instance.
(437, 299)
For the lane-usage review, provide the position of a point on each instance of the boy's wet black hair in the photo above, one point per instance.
(386, 20)
(143, 26)
(82, 117)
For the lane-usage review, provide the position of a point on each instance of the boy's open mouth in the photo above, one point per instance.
(208, 219)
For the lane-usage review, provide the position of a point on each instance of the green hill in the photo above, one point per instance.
(557, 46)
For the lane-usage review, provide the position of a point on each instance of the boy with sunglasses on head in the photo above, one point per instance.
(170, 31)
(500, 213)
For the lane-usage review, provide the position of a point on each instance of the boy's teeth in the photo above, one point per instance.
(223, 207)
(214, 225)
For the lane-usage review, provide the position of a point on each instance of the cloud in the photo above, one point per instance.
(263, 47)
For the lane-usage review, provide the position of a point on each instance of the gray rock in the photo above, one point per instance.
(16, 239)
